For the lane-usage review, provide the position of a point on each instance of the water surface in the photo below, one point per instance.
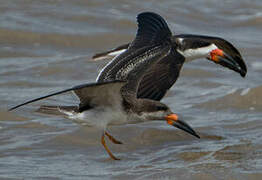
(46, 46)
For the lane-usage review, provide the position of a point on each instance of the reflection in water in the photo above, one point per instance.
(46, 46)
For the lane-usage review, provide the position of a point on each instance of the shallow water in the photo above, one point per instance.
(46, 46)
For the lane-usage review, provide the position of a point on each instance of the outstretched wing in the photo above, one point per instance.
(152, 43)
(106, 94)
(152, 77)
(158, 79)
(152, 30)
(90, 95)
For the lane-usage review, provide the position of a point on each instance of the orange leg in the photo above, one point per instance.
(105, 146)
(113, 139)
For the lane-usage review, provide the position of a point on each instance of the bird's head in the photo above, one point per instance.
(214, 49)
(160, 111)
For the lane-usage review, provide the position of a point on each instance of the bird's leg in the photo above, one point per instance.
(106, 148)
(113, 139)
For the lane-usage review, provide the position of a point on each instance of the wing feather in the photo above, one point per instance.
(90, 95)
(160, 78)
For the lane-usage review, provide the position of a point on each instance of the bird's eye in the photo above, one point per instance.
(161, 108)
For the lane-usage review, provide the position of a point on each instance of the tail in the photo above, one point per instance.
(58, 110)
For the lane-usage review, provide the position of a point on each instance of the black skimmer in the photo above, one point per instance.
(186, 47)
(115, 102)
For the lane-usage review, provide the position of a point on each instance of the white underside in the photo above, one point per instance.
(99, 118)
(103, 117)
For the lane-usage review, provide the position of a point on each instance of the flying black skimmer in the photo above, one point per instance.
(114, 101)
(186, 47)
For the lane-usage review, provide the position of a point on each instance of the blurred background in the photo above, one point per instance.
(46, 46)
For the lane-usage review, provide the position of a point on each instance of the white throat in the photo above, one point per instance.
(192, 54)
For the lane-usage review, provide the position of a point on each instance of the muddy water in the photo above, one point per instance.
(46, 46)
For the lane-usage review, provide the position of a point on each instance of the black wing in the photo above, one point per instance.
(161, 77)
(152, 29)
(152, 43)
(92, 94)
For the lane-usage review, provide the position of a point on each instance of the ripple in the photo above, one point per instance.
(241, 99)
(9, 116)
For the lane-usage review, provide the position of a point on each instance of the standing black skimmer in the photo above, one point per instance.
(186, 47)
(115, 102)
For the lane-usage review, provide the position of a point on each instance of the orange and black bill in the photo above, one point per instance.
(173, 120)
(236, 64)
